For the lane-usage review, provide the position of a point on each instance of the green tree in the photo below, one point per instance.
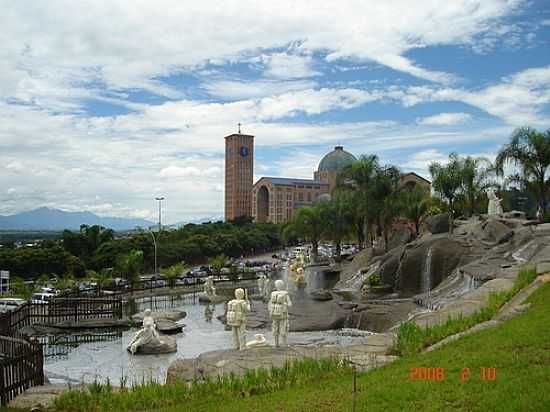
(338, 217)
(218, 263)
(172, 273)
(130, 265)
(358, 178)
(414, 205)
(475, 173)
(447, 181)
(19, 287)
(529, 151)
(308, 224)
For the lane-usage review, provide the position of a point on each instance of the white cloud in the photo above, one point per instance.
(232, 89)
(288, 66)
(520, 99)
(57, 47)
(545, 22)
(444, 119)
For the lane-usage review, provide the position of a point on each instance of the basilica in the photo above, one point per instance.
(274, 199)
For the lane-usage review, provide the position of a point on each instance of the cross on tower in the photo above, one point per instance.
(238, 124)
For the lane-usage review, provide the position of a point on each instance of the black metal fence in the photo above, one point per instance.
(21, 366)
(21, 359)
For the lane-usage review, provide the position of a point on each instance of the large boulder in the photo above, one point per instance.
(168, 345)
(438, 223)
(493, 231)
(400, 237)
(173, 315)
(320, 294)
(425, 265)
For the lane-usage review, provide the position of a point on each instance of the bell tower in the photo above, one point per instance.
(239, 175)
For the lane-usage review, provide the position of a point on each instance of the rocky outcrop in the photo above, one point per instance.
(492, 231)
(173, 315)
(168, 345)
(400, 237)
(217, 363)
(320, 294)
(438, 223)
(425, 264)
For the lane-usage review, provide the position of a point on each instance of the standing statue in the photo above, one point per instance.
(209, 288)
(267, 289)
(494, 208)
(147, 335)
(278, 310)
(261, 283)
(237, 309)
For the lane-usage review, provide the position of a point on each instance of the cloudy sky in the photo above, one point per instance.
(106, 104)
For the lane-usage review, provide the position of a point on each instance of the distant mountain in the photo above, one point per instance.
(54, 219)
(198, 221)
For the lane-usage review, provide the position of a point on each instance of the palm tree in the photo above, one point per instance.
(414, 204)
(173, 272)
(357, 179)
(447, 180)
(385, 192)
(130, 265)
(529, 150)
(218, 263)
(307, 224)
(475, 172)
(337, 215)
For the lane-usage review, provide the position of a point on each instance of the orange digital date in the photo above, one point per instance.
(427, 374)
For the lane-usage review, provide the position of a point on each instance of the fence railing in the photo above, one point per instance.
(184, 284)
(21, 359)
(21, 366)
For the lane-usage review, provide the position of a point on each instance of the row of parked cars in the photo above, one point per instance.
(9, 304)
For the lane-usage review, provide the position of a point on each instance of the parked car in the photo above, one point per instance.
(9, 304)
(42, 298)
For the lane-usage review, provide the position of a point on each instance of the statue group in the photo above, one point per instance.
(278, 305)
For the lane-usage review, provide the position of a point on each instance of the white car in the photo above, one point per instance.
(9, 304)
(42, 298)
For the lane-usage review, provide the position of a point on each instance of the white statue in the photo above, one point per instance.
(258, 342)
(267, 289)
(278, 310)
(261, 283)
(494, 208)
(237, 309)
(209, 288)
(147, 335)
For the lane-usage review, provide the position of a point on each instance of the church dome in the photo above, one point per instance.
(336, 160)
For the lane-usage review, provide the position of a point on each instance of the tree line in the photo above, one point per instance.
(95, 248)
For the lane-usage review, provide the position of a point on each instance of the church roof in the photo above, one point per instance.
(336, 160)
(287, 181)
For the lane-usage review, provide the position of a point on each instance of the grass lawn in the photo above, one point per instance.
(519, 350)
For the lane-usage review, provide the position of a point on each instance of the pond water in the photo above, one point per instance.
(85, 358)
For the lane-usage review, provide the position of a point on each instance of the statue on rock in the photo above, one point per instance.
(267, 289)
(209, 288)
(237, 309)
(148, 340)
(208, 294)
(278, 310)
(494, 208)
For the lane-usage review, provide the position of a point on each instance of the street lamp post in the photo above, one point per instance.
(160, 199)
(155, 246)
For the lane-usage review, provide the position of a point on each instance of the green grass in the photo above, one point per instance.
(411, 338)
